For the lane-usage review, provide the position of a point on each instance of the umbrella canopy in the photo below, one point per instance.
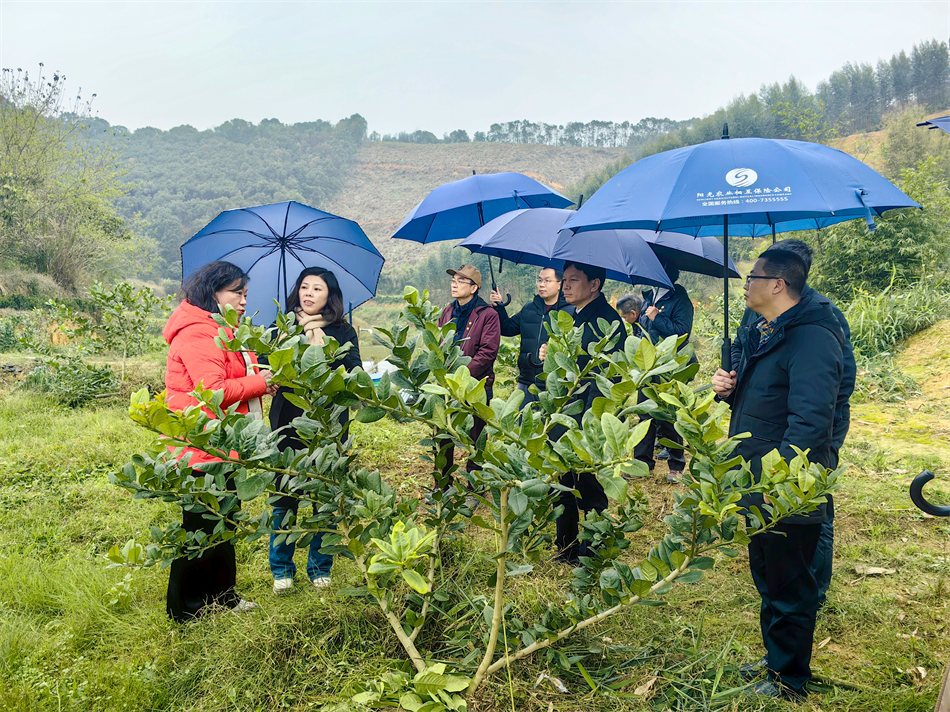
(942, 123)
(456, 210)
(273, 243)
(757, 183)
(745, 186)
(534, 237)
(702, 255)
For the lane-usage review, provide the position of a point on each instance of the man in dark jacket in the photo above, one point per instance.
(784, 392)
(582, 287)
(529, 324)
(822, 565)
(478, 332)
(667, 312)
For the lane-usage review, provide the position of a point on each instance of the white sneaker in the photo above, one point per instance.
(321, 582)
(244, 606)
(282, 586)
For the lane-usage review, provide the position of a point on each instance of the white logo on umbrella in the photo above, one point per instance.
(741, 177)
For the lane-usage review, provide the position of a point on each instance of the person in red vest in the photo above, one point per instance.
(194, 360)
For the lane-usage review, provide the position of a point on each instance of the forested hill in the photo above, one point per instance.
(182, 178)
(388, 179)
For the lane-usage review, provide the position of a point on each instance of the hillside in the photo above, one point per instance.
(386, 180)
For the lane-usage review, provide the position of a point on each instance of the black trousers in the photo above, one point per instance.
(446, 445)
(783, 575)
(208, 579)
(591, 497)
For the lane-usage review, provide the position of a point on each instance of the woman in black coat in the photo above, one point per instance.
(317, 303)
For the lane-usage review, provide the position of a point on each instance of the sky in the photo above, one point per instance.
(441, 66)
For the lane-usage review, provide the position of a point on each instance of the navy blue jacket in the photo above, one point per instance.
(587, 317)
(787, 391)
(529, 324)
(846, 389)
(675, 317)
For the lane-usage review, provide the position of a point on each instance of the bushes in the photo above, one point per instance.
(70, 381)
(879, 322)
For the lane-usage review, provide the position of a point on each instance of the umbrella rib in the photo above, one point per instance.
(301, 246)
(373, 291)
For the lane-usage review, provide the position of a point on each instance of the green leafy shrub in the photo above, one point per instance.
(71, 381)
(879, 322)
(9, 333)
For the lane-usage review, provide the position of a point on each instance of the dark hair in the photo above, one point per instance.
(799, 248)
(558, 274)
(788, 266)
(199, 288)
(590, 272)
(629, 303)
(333, 311)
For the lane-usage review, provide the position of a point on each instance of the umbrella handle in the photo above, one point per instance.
(494, 285)
(917, 496)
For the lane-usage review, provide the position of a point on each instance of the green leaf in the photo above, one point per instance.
(691, 576)
(701, 562)
(614, 485)
(410, 701)
(535, 489)
(251, 487)
(370, 414)
(615, 433)
(517, 503)
(415, 581)
(519, 570)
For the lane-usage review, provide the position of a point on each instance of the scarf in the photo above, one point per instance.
(255, 407)
(312, 327)
(461, 313)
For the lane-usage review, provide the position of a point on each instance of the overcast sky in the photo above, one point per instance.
(445, 65)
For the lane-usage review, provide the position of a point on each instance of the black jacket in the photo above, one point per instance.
(587, 317)
(786, 392)
(675, 317)
(283, 412)
(529, 324)
(846, 389)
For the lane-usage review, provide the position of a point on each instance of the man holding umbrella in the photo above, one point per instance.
(478, 333)
(583, 285)
(529, 324)
(784, 391)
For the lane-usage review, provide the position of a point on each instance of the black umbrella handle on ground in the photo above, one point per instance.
(917, 496)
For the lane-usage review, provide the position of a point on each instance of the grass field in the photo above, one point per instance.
(75, 635)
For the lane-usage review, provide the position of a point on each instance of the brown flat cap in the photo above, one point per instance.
(469, 272)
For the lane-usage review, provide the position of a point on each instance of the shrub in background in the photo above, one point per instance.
(70, 381)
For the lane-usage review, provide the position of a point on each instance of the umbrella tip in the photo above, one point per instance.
(725, 130)
(473, 171)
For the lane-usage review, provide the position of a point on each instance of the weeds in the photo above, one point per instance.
(71, 382)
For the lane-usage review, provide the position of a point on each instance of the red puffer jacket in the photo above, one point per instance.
(194, 358)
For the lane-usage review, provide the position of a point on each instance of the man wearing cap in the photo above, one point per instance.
(477, 332)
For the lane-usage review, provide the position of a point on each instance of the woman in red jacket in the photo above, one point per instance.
(193, 359)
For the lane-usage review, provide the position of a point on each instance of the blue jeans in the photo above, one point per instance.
(281, 556)
(529, 397)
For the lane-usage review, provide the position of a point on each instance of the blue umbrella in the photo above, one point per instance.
(456, 210)
(534, 237)
(746, 186)
(702, 255)
(273, 243)
(942, 123)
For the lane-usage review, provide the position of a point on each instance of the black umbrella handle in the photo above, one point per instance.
(494, 286)
(917, 496)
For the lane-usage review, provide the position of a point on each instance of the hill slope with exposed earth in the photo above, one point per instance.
(388, 179)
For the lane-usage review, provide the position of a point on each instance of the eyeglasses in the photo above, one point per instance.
(461, 282)
(549, 281)
(750, 277)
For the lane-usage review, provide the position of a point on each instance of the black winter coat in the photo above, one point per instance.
(529, 324)
(587, 317)
(786, 393)
(675, 317)
(283, 412)
(843, 406)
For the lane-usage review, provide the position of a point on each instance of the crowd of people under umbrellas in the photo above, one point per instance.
(792, 351)
(788, 375)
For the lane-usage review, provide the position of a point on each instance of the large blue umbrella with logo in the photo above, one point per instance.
(274, 243)
(746, 187)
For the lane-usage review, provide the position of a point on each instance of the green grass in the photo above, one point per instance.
(63, 646)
